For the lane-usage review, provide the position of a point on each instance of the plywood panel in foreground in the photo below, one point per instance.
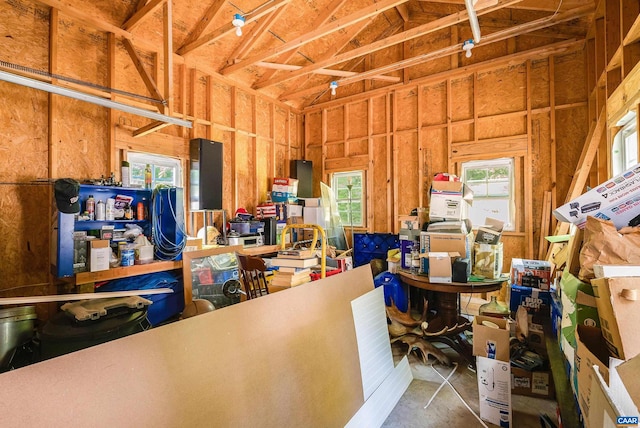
(287, 359)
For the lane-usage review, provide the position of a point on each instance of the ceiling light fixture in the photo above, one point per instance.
(333, 85)
(238, 22)
(467, 46)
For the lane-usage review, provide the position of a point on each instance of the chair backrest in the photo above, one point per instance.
(251, 271)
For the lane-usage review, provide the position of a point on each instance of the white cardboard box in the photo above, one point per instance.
(617, 200)
(494, 389)
(447, 199)
(99, 254)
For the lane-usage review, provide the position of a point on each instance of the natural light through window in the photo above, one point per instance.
(351, 202)
(493, 191)
(164, 170)
(624, 151)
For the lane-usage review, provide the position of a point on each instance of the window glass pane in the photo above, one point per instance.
(351, 203)
(492, 184)
(164, 170)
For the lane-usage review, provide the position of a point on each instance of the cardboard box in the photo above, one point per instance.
(440, 266)
(618, 302)
(447, 200)
(445, 242)
(494, 390)
(99, 254)
(410, 222)
(488, 259)
(491, 232)
(591, 350)
(614, 271)
(537, 383)
(315, 215)
(534, 300)
(531, 273)
(488, 341)
(617, 200)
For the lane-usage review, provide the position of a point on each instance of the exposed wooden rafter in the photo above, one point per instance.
(320, 20)
(327, 29)
(542, 5)
(204, 21)
(258, 30)
(323, 71)
(413, 33)
(145, 11)
(228, 28)
(146, 77)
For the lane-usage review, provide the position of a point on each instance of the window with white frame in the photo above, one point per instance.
(165, 170)
(349, 189)
(492, 182)
(624, 151)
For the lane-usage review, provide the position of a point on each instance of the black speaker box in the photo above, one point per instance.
(303, 171)
(270, 230)
(206, 160)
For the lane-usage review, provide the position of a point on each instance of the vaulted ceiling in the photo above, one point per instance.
(293, 49)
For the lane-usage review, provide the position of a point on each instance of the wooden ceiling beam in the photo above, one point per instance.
(324, 71)
(403, 11)
(229, 28)
(321, 19)
(490, 64)
(137, 17)
(204, 21)
(146, 77)
(258, 30)
(410, 34)
(322, 31)
(544, 5)
(455, 49)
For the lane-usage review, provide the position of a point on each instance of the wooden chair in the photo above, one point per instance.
(251, 271)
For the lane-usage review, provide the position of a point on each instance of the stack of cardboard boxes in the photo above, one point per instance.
(449, 234)
(599, 315)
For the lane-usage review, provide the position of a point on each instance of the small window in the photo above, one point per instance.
(164, 170)
(493, 191)
(350, 197)
(624, 151)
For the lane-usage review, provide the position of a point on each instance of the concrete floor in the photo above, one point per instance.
(447, 410)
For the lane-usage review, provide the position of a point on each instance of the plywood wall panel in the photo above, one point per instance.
(502, 90)
(406, 147)
(244, 108)
(23, 133)
(313, 125)
(358, 115)
(462, 99)
(245, 170)
(127, 78)
(462, 132)
(436, 152)
(434, 108)
(380, 174)
(540, 83)
(82, 145)
(264, 118)
(25, 247)
(314, 154)
(335, 150)
(407, 105)
(281, 132)
(571, 132)
(358, 147)
(200, 96)
(24, 25)
(221, 100)
(540, 169)
(570, 78)
(335, 124)
(515, 246)
(501, 126)
(263, 168)
(379, 120)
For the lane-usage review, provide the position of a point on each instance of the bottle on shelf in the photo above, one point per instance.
(139, 211)
(415, 258)
(110, 209)
(91, 207)
(100, 211)
(147, 177)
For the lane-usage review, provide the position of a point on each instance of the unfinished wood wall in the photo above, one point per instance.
(531, 109)
(48, 136)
